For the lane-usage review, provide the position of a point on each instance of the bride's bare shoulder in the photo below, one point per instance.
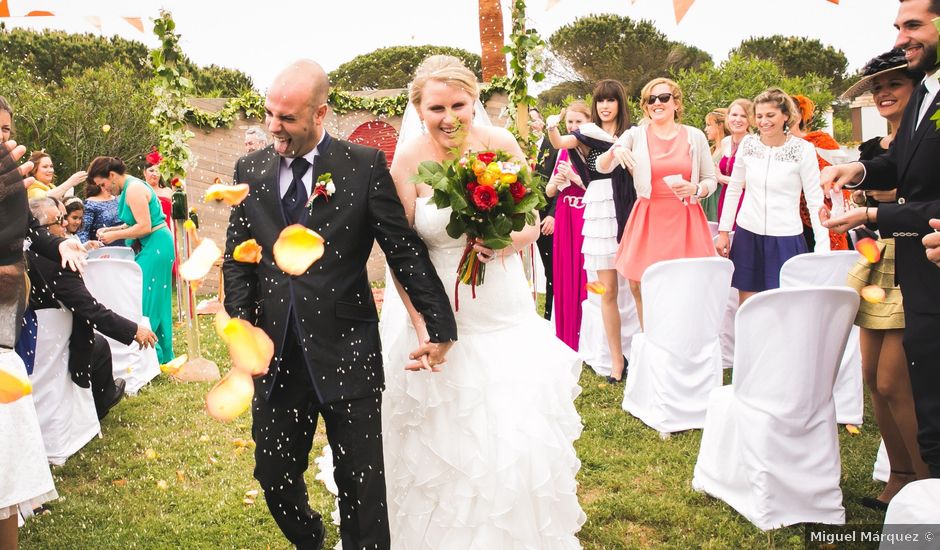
(410, 153)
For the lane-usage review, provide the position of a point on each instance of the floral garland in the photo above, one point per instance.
(171, 88)
(525, 48)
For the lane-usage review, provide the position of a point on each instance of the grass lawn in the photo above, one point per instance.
(166, 475)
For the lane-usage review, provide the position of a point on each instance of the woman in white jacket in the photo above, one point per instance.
(672, 169)
(774, 167)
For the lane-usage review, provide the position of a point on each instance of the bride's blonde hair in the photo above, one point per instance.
(447, 69)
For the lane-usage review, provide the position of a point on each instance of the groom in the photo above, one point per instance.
(328, 359)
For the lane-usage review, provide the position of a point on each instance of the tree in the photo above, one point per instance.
(611, 46)
(393, 67)
(798, 56)
(710, 87)
(51, 56)
(491, 39)
(103, 111)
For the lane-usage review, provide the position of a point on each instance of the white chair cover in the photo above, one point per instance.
(770, 448)
(67, 416)
(112, 252)
(882, 468)
(832, 269)
(118, 285)
(592, 344)
(726, 334)
(713, 228)
(916, 503)
(676, 361)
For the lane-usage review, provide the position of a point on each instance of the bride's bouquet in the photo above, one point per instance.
(490, 194)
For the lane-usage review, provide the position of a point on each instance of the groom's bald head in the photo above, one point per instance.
(305, 75)
(295, 107)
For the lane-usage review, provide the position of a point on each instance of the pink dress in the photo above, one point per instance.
(662, 227)
(568, 272)
(726, 165)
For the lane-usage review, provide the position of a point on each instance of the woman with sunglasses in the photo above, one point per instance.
(672, 170)
(607, 202)
(775, 167)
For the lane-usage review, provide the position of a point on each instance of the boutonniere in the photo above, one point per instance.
(322, 188)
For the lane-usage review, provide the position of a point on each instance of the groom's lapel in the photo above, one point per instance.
(271, 197)
(322, 164)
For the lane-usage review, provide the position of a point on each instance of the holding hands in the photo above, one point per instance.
(429, 355)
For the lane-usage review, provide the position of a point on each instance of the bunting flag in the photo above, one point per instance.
(682, 6)
(93, 20)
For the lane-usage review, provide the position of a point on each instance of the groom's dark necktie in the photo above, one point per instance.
(919, 96)
(295, 199)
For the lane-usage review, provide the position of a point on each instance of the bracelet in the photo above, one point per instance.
(868, 214)
(698, 190)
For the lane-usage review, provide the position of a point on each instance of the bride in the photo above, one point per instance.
(480, 453)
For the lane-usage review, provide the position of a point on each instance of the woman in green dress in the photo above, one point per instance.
(144, 222)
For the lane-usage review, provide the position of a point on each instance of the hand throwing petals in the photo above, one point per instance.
(231, 396)
(250, 348)
(13, 387)
(229, 194)
(297, 248)
(869, 249)
(248, 252)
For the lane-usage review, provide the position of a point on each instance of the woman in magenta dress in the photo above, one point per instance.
(738, 123)
(667, 221)
(567, 261)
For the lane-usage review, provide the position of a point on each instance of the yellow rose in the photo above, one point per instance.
(508, 179)
(478, 167)
(487, 178)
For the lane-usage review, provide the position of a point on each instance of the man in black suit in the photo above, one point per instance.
(544, 167)
(52, 287)
(328, 359)
(911, 166)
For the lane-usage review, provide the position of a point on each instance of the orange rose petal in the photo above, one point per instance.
(229, 194)
(250, 348)
(173, 366)
(248, 252)
(221, 319)
(868, 248)
(873, 294)
(596, 287)
(200, 261)
(230, 397)
(13, 387)
(297, 248)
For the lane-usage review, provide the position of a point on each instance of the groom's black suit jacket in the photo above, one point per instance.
(911, 165)
(331, 304)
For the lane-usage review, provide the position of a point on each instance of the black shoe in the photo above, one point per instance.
(119, 385)
(613, 381)
(875, 504)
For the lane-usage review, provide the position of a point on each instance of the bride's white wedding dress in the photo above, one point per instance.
(480, 455)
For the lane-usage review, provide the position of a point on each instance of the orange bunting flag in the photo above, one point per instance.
(135, 22)
(297, 248)
(681, 7)
(229, 194)
(13, 387)
(200, 261)
(596, 287)
(231, 396)
(4, 8)
(868, 248)
(250, 348)
(248, 252)
(873, 294)
(40, 13)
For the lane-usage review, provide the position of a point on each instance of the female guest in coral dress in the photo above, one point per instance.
(775, 168)
(139, 209)
(568, 262)
(672, 170)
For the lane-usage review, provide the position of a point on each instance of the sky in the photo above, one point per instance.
(261, 38)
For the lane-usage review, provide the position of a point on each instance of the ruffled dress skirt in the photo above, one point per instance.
(889, 313)
(600, 226)
(481, 454)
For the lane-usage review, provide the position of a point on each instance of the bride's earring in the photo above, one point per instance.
(424, 129)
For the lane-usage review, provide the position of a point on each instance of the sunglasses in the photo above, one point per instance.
(663, 98)
(58, 221)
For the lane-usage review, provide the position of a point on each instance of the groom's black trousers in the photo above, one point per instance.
(283, 429)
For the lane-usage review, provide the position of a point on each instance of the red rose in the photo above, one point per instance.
(486, 157)
(517, 190)
(485, 197)
(471, 186)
